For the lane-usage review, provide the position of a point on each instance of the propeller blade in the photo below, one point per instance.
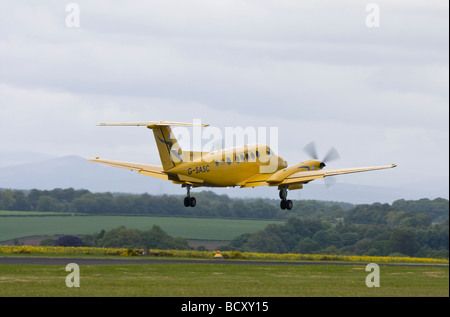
(331, 155)
(311, 150)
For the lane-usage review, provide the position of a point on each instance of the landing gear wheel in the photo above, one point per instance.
(283, 193)
(289, 204)
(284, 204)
(189, 201)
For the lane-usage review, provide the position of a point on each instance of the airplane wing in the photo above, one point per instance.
(304, 177)
(145, 169)
(152, 170)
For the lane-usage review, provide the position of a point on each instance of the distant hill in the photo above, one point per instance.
(75, 172)
(22, 157)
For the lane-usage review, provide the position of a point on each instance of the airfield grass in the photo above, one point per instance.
(223, 280)
(198, 280)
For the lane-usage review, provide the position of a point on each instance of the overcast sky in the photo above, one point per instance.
(314, 69)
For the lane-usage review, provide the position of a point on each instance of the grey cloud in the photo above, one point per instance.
(314, 69)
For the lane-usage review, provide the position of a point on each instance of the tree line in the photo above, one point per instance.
(309, 236)
(122, 237)
(406, 227)
(412, 213)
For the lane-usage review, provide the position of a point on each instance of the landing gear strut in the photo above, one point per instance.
(285, 204)
(188, 200)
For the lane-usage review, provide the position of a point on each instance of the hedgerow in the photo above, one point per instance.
(232, 255)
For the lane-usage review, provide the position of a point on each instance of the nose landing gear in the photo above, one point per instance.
(285, 203)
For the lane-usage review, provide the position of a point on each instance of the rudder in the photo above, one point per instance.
(169, 150)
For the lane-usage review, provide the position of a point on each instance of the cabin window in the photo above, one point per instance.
(268, 151)
(217, 163)
(252, 155)
(228, 160)
(257, 154)
(242, 158)
(236, 158)
(246, 156)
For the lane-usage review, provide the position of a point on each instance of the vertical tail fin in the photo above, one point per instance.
(169, 150)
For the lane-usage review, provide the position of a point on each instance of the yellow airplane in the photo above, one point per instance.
(244, 166)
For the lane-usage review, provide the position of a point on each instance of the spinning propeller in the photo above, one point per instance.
(331, 155)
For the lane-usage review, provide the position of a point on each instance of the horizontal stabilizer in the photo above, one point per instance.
(152, 124)
(146, 169)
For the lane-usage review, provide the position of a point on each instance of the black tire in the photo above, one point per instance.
(193, 202)
(289, 204)
(283, 204)
(283, 194)
(187, 202)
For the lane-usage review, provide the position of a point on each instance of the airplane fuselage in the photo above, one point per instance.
(229, 167)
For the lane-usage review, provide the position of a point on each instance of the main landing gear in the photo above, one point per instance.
(285, 204)
(188, 200)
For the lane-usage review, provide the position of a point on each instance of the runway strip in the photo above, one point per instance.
(115, 261)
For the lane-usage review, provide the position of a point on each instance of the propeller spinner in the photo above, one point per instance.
(331, 155)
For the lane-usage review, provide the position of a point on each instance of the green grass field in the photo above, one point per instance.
(15, 227)
(223, 280)
(197, 280)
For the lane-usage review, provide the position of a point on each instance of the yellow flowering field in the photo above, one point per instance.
(296, 257)
(39, 250)
(58, 251)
